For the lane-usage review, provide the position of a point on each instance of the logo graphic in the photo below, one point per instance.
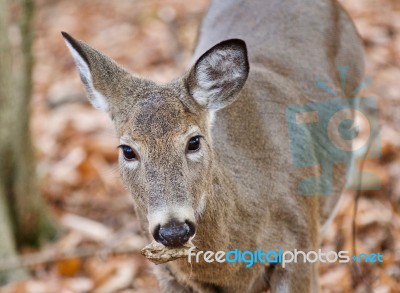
(332, 132)
(252, 257)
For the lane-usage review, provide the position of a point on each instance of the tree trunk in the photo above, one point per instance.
(21, 205)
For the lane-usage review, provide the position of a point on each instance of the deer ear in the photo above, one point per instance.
(100, 74)
(219, 74)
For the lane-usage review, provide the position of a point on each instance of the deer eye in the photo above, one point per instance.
(128, 152)
(193, 144)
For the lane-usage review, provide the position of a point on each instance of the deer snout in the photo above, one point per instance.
(174, 233)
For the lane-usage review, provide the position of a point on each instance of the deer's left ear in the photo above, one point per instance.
(219, 74)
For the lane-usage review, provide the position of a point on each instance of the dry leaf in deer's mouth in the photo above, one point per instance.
(158, 253)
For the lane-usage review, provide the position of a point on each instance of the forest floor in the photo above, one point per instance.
(77, 155)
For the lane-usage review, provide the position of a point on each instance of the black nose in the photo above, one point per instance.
(174, 233)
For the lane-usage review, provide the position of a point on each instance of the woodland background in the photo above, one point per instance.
(76, 155)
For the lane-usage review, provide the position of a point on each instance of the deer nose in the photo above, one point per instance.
(174, 233)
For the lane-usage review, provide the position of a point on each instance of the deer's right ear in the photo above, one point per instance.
(100, 74)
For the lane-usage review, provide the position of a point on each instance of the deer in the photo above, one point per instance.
(206, 156)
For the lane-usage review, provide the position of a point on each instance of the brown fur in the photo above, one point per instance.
(245, 172)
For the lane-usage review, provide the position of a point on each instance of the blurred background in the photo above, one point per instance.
(63, 209)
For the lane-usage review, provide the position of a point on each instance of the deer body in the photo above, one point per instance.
(234, 187)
